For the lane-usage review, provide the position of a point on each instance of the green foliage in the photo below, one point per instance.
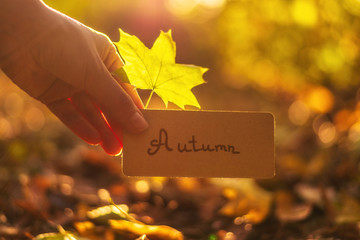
(155, 69)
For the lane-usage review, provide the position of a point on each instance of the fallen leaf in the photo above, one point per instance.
(104, 213)
(246, 199)
(153, 232)
(89, 230)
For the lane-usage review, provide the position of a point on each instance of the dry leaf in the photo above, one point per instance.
(246, 199)
(153, 232)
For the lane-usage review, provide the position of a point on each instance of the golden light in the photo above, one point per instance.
(248, 227)
(353, 6)
(66, 184)
(298, 113)
(181, 7)
(344, 119)
(230, 236)
(66, 189)
(277, 11)
(230, 193)
(319, 99)
(34, 119)
(265, 73)
(354, 132)
(142, 186)
(330, 59)
(304, 13)
(157, 184)
(104, 195)
(5, 129)
(212, 3)
(349, 48)
(239, 220)
(331, 10)
(14, 104)
(188, 184)
(327, 133)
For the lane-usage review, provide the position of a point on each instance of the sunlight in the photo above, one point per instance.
(304, 13)
(181, 7)
(142, 186)
(213, 3)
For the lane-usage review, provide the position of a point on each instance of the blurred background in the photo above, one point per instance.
(298, 59)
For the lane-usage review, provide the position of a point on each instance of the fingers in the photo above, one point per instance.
(67, 113)
(109, 141)
(116, 104)
(112, 59)
(80, 64)
(131, 91)
(113, 62)
(107, 51)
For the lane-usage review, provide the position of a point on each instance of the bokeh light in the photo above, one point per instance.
(14, 104)
(182, 7)
(5, 129)
(327, 133)
(304, 12)
(319, 99)
(354, 132)
(299, 113)
(142, 186)
(34, 119)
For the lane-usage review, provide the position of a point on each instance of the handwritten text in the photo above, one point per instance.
(191, 146)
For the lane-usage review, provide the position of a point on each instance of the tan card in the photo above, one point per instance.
(202, 144)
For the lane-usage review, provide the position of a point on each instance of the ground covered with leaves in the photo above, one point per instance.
(71, 191)
(52, 186)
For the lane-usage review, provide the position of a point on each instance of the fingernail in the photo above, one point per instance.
(139, 122)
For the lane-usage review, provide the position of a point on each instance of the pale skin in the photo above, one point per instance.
(67, 66)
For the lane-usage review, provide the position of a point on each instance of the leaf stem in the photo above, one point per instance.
(148, 101)
(129, 217)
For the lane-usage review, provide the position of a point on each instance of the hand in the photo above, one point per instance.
(68, 66)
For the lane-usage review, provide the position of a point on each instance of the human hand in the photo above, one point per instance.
(68, 66)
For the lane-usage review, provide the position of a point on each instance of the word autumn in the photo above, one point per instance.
(163, 141)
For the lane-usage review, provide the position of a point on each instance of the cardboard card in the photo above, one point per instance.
(202, 144)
